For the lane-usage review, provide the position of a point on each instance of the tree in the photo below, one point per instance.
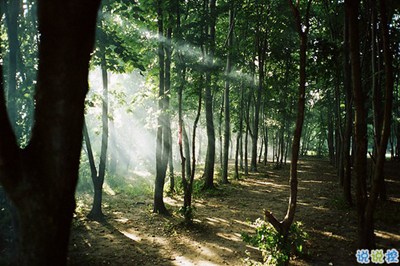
(208, 100)
(113, 53)
(302, 26)
(366, 201)
(262, 45)
(227, 129)
(162, 146)
(41, 178)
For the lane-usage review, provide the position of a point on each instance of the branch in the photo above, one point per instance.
(272, 220)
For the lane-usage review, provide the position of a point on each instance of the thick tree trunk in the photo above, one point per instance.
(41, 178)
(377, 93)
(162, 135)
(167, 138)
(380, 159)
(227, 129)
(348, 118)
(210, 157)
(284, 226)
(365, 235)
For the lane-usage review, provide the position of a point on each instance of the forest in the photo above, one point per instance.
(201, 132)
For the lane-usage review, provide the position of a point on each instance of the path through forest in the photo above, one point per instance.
(133, 235)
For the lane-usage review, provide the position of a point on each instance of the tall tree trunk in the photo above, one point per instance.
(162, 135)
(41, 178)
(187, 205)
(227, 129)
(261, 44)
(302, 29)
(380, 159)
(241, 128)
(360, 129)
(210, 157)
(167, 139)
(331, 149)
(348, 118)
(253, 163)
(98, 180)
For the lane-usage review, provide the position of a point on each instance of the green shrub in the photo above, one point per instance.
(275, 249)
(187, 213)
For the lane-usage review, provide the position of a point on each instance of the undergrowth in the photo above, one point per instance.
(275, 249)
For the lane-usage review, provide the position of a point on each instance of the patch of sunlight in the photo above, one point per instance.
(207, 251)
(312, 181)
(242, 222)
(107, 189)
(171, 201)
(131, 234)
(231, 237)
(303, 203)
(394, 199)
(122, 220)
(269, 184)
(331, 235)
(215, 220)
(320, 208)
(181, 260)
(387, 236)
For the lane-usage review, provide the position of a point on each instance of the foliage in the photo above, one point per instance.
(276, 250)
(188, 213)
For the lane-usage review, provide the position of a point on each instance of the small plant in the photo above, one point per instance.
(276, 250)
(187, 213)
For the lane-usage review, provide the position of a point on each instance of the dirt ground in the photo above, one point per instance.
(133, 235)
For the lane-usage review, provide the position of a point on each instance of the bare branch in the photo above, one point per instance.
(272, 220)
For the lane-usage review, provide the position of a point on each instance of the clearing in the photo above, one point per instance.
(133, 235)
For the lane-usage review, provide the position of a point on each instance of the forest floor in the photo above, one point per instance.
(133, 235)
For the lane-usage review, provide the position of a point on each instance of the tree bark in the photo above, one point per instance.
(348, 118)
(302, 29)
(380, 159)
(162, 139)
(360, 128)
(98, 180)
(227, 129)
(208, 99)
(41, 178)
